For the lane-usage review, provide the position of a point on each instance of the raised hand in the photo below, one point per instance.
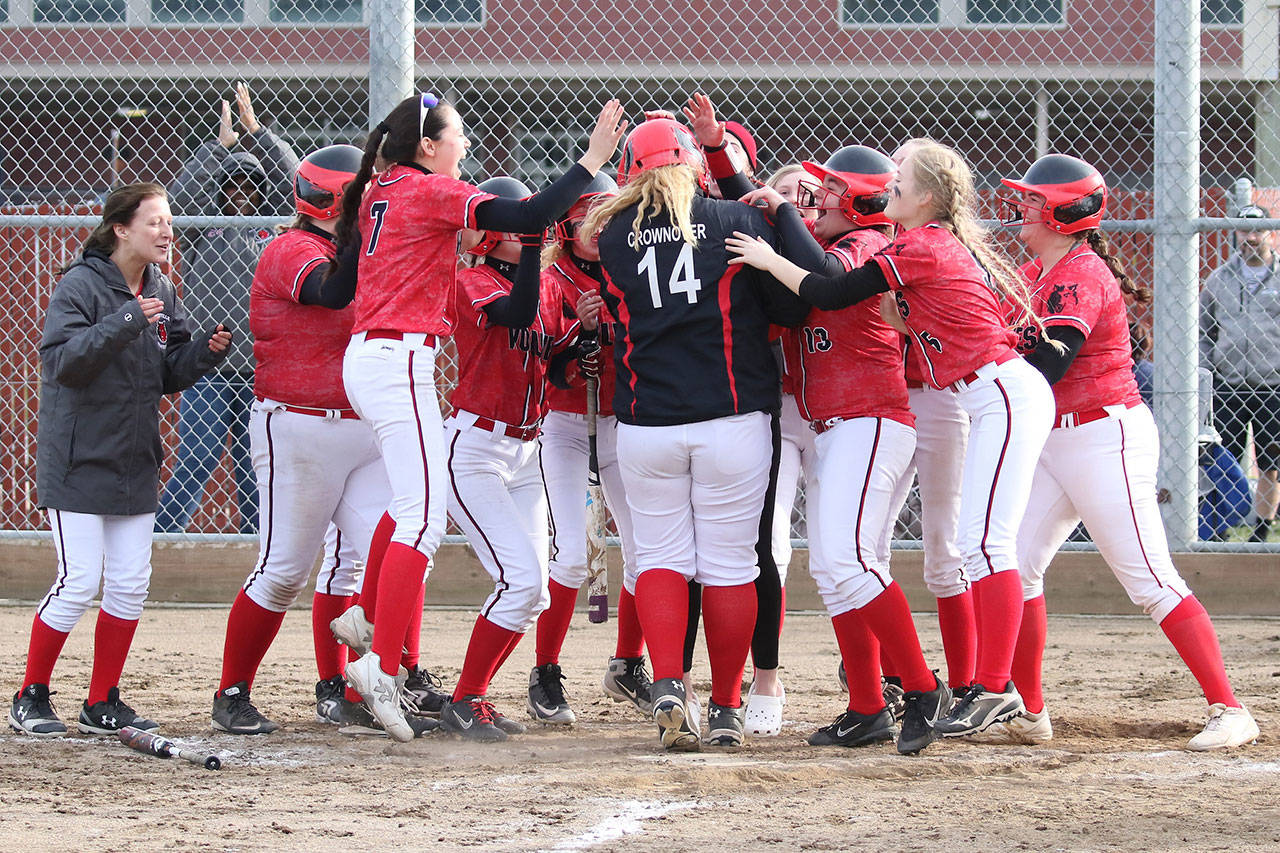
(608, 132)
(247, 119)
(227, 135)
(702, 118)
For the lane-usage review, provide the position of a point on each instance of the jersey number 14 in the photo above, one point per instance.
(681, 280)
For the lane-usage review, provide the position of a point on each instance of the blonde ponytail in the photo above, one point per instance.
(670, 188)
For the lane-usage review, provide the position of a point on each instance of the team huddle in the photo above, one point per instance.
(845, 322)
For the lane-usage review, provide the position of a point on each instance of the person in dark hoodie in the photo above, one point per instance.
(116, 339)
(217, 269)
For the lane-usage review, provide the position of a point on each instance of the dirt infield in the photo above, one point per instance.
(1115, 777)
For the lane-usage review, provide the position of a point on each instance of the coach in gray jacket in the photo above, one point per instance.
(1240, 342)
(217, 270)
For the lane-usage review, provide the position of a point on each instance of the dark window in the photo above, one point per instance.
(79, 11)
(317, 11)
(1014, 11)
(1222, 12)
(197, 11)
(4, 11)
(448, 11)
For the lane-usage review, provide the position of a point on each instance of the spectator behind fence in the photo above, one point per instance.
(218, 265)
(1240, 342)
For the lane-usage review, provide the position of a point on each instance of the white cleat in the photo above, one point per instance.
(1227, 727)
(381, 694)
(353, 630)
(1026, 728)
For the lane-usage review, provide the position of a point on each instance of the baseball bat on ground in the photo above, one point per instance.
(162, 747)
(597, 557)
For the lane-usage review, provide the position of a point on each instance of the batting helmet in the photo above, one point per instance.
(601, 185)
(321, 178)
(659, 142)
(1075, 195)
(865, 173)
(503, 187)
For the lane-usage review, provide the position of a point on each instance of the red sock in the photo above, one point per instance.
(250, 630)
(553, 624)
(111, 640)
(1028, 654)
(887, 668)
(889, 618)
(488, 647)
(1190, 630)
(630, 637)
(382, 534)
(403, 569)
(662, 603)
(411, 653)
(42, 652)
(997, 609)
(516, 637)
(331, 656)
(859, 651)
(728, 621)
(351, 694)
(959, 637)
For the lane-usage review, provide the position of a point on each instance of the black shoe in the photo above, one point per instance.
(353, 718)
(546, 702)
(671, 713)
(472, 718)
(508, 725)
(854, 729)
(978, 709)
(627, 680)
(32, 713)
(110, 716)
(234, 713)
(921, 709)
(423, 693)
(726, 727)
(330, 694)
(891, 690)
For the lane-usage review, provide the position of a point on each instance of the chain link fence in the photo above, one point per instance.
(1176, 102)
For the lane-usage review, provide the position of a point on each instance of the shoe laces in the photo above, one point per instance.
(421, 678)
(638, 671)
(552, 683)
(483, 711)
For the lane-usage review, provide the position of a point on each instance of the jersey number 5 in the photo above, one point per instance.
(681, 280)
(378, 213)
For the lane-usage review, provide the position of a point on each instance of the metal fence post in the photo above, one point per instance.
(1176, 267)
(391, 56)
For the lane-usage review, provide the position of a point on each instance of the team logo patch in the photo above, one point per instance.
(162, 330)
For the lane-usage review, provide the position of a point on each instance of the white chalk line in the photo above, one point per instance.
(625, 818)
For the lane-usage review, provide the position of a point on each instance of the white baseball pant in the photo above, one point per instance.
(111, 551)
(497, 498)
(696, 492)
(565, 456)
(341, 564)
(797, 457)
(1103, 473)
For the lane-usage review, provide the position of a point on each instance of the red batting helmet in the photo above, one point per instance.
(865, 173)
(321, 178)
(503, 187)
(1075, 195)
(601, 186)
(659, 142)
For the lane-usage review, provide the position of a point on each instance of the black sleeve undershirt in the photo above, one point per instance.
(1051, 363)
(849, 288)
(333, 285)
(519, 308)
(538, 211)
(799, 245)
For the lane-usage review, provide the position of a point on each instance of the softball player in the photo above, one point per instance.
(116, 339)
(947, 285)
(851, 389)
(409, 217)
(509, 325)
(573, 263)
(317, 463)
(696, 401)
(1099, 463)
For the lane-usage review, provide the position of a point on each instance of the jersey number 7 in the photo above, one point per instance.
(681, 280)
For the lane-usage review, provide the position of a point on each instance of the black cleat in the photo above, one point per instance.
(546, 701)
(627, 680)
(235, 714)
(472, 717)
(854, 729)
(110, 716)
(423, 694)
(32, 713)
(979, 709)
(921, 709)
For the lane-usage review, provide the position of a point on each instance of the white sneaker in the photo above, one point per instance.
(353, 630)
(764, 713)
(1026, 728)
(381, 694)
(1227, 727)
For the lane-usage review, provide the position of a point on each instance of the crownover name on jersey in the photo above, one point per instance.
(663, 234)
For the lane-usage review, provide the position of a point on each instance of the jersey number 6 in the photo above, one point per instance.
(681, 280)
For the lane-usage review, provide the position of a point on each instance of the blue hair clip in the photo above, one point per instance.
(430, 100)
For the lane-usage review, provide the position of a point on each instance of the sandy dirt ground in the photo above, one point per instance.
(1115, 776)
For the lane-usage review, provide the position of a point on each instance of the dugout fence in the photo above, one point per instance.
(1175, 101)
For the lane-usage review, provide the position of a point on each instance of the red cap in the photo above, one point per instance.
(748, 141)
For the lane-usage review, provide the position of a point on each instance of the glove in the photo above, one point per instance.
(589, 355)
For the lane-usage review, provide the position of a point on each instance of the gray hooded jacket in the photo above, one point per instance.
(1240, 325)
(103, 370)
(218, 263)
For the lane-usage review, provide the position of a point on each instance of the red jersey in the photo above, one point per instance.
(573, 282)
(848, 363)
(502, 371)
(298, 348)
(409, 223)
(947, 300)
(1081, 292)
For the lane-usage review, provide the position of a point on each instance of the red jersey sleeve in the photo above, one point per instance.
(480, 290)
(906, 259)
(1073, 298)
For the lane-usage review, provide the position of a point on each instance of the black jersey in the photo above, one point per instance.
(694, 343)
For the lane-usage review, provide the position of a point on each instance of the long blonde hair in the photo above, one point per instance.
(941, 170)
(557, 249)
(670, 188)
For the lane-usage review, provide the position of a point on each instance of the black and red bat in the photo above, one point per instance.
(162, 747)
